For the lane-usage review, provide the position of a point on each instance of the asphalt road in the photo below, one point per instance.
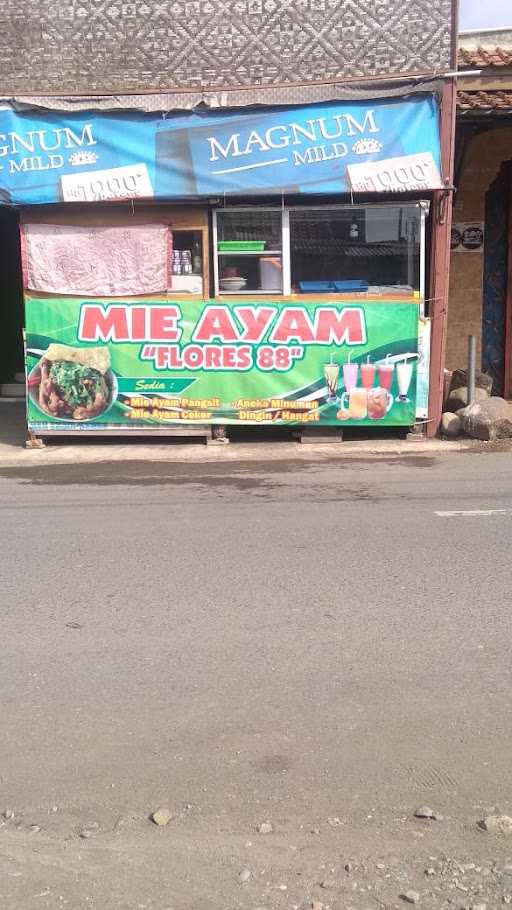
(310, 645)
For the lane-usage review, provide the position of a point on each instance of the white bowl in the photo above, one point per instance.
(232, 284)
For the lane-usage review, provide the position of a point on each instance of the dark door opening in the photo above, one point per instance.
(12, 360)
(497, 289)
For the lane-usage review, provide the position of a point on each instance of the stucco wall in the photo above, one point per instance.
(483, 159)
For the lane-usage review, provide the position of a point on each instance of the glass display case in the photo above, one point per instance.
(248, 251)
(369, 249)
(363, 250)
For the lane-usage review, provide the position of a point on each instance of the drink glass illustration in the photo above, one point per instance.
(358, 403)
(350, 371)
(386, 371)
(367, 375)
(403, 377)
(331, 376)
(380, 402)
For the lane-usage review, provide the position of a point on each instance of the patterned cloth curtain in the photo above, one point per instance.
(96, 261)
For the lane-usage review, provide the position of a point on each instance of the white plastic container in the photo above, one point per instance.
(271, 273)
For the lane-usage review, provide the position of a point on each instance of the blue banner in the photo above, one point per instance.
(383, 146)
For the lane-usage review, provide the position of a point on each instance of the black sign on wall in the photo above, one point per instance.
(80, 46)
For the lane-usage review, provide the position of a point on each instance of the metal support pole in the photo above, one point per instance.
(471, 368)
(440, 262)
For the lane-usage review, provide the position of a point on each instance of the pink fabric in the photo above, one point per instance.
(96, 261)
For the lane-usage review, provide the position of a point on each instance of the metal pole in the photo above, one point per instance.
(471, 368)
(440, 264)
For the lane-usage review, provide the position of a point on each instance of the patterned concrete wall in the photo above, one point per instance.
(79, 46)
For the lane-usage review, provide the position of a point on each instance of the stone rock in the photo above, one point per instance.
(460, 380)
(488, 420)
(411, 897)
(427, 812)
(244, 876)
(459, 398)
(34, 829)
(328, 884)
(498, 824)
(451, 425)
(265, 828)
(8, 814)
(349, 867)
(161, 817)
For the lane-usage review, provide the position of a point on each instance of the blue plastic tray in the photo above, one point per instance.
(317, 287)
(352, 285)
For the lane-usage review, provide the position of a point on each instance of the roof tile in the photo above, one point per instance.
(482, 57)
(498, 101)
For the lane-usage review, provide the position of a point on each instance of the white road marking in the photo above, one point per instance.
(473, 512)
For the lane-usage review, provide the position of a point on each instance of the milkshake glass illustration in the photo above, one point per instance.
(331, 376)
(403, 378)
(350, 372)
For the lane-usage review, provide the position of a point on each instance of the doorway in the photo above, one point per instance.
(12, 359)
(497, 283)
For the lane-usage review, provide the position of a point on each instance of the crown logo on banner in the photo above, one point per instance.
(367, 147)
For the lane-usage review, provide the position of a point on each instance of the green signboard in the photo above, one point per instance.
(107, 364)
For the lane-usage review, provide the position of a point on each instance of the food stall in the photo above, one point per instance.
(226, 268)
